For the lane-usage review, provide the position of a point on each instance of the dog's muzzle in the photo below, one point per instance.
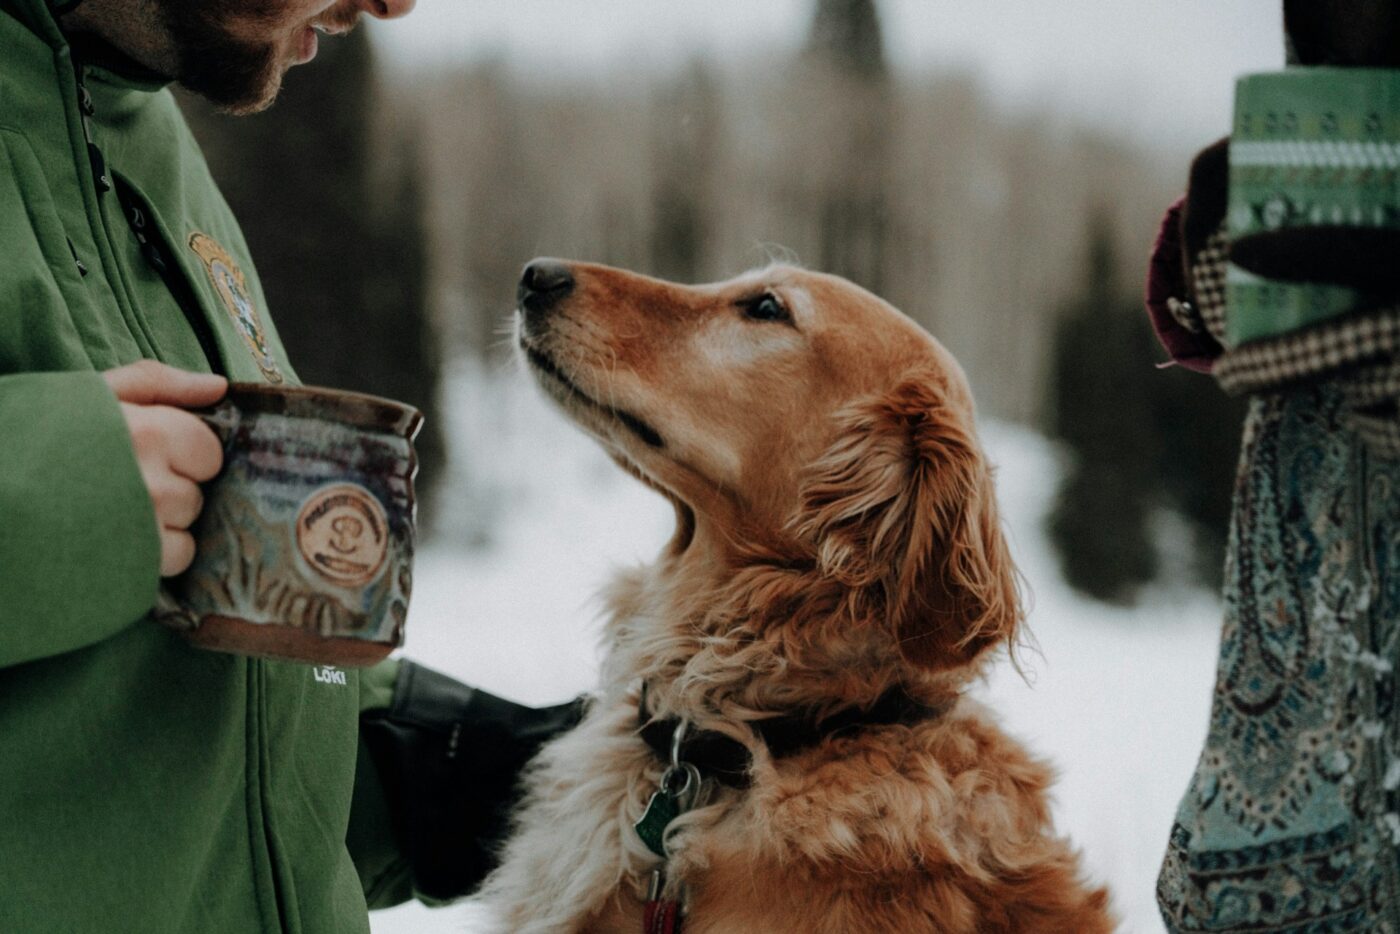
(543, 284)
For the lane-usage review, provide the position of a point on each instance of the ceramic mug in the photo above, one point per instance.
(304, 549)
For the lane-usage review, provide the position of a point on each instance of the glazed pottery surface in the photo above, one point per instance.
(304, 549)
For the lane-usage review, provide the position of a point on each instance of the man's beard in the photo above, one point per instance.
(238, 76)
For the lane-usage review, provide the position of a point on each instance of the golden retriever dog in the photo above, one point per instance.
(792, 668)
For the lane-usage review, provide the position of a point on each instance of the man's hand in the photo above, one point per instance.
(174, 449)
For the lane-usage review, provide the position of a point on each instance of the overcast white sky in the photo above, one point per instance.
(1152, 67)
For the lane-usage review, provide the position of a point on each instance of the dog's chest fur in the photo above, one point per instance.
(886, 828)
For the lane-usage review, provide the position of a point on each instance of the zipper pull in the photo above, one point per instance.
(99, 168)
(99, 162)
(82, 270)
(137, 218)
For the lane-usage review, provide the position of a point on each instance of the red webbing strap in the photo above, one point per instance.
(662, 917)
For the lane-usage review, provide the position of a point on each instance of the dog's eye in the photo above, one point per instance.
(765, 307)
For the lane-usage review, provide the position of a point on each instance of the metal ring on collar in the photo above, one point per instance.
(682, 784)
(676, 739)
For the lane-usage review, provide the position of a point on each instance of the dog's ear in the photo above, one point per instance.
(901, 511)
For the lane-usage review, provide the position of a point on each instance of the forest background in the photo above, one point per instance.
(997, 171)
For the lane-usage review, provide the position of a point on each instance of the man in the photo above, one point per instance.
(145, 785)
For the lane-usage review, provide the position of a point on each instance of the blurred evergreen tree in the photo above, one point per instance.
(332, 208)
(688, 130)
(494, 186)
(1100, 409)
(850, 104)
(1198, 429)
(846, 34)
(1140, 440)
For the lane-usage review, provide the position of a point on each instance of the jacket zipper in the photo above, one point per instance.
(134, 212)
(152, 248)
(100, 174)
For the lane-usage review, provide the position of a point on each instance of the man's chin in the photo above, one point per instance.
(234, 92)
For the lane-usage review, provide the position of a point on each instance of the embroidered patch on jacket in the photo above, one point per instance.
(228, 281)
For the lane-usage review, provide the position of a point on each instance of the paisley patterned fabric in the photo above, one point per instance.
(1292, 820)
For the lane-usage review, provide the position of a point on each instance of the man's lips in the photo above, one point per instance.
(308, 40)
(339, 28)
(307, 44)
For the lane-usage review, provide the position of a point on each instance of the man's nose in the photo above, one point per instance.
(387, 9)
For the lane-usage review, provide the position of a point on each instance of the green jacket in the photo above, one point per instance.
(147, 786)
(131, 765)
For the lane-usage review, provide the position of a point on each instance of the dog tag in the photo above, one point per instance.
(661, 810)
(677, 792)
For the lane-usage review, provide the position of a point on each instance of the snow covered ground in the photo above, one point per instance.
(1117, 699)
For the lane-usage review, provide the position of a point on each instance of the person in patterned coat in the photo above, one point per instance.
(1277, 273)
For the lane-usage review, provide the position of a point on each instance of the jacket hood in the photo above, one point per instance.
(37, 15)
(114, 66)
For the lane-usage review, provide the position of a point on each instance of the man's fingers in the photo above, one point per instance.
(176, 552)
(150, 383)
(174, 451)
(177, 502)
(174, 439)
(195, 450)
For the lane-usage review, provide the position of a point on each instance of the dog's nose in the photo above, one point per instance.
(543, 283)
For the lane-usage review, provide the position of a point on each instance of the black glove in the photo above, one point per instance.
(449, 758)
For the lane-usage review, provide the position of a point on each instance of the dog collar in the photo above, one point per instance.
(727, 760)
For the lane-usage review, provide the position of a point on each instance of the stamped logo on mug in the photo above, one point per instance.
(342, 533)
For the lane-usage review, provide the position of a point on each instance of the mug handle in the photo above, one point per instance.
(169, 612)
(223, 418)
